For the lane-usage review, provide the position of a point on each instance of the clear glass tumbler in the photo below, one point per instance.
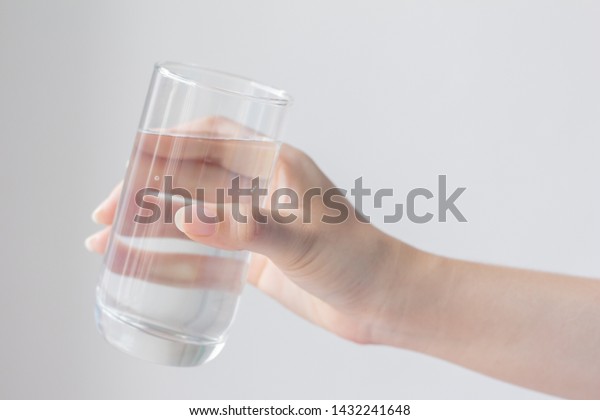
(162, 297)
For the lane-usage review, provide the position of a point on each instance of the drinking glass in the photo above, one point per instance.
(162, 297)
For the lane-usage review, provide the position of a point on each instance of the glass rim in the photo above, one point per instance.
(279, 96)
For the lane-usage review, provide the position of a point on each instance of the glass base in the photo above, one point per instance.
(153, 346)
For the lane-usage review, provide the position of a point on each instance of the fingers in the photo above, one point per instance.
(105, 213)
(98, 241)
(222, 158)
(184, 267)
(173, 269)
(233, 156)
(216, 127)
(239, 229)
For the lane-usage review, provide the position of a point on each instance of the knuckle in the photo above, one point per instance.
(295, 158)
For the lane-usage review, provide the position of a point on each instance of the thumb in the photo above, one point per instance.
(243, 228)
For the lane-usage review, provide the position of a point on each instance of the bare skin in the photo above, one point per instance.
(533, 329)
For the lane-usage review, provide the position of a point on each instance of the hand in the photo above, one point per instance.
(338, 276)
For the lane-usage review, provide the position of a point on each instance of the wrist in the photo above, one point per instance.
(410, 297)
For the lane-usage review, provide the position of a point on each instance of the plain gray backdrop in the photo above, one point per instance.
(501, 96)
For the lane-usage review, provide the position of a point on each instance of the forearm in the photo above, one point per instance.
(538, 330)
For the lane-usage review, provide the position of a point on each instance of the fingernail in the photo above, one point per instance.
(196, 228)
(96, 212)
(89, 242)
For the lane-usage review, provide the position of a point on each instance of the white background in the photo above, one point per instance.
(502, 96)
